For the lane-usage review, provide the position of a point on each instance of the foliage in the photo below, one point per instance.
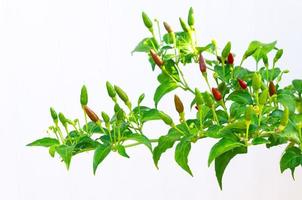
(245, 107)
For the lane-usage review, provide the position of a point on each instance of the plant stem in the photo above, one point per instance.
(248, 123)
(138, 143)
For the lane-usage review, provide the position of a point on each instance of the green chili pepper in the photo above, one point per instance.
(248, 113)
(166, 118)
(116, 108)
(198, 97)
(191, 17)
(105, 117)
(147, 20)
(62, 119)
(141, 98)
(256, 82)
(183, 25)
(284, 118)
(208, 99)
(121, 94)
(120, 115)
(263, 97)
(110, 89)
(54, 114)
(84, 96)
(178, 104)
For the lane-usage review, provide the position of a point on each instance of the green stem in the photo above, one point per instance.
(138, 143)
(215, 115)
(248, 123)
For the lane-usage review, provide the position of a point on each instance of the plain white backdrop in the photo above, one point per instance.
(49, 48)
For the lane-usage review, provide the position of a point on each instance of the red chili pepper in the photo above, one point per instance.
(202, 64)
(230, 59)
(91, 114)
(217, 95)
(242, 84)
(272, 88)
(158, 61)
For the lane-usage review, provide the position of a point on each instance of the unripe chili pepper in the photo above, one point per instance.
(256, 81)
(208, 99)
(272, 88)
(62, 119)
(53, 114)
(178, 104)
(120, 115)
(92, 116)
(121, 94)
(202, 64)
(110, 89)
(105, 117)
(84, 96)
(231, 59)
(217, 95)
(242, 84)
(168, 27)
(263, 97)
(147, 20)
(284, 118)
(183, 25)
(141, 98)
(191, 17)
(248, 113)
(156, 58)
(116, 108)
(198, 97)
(166, 118)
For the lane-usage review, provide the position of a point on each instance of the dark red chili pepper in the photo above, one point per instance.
(196, 107)
(91, 114)
(217, 95)
(178, 104)
(230, 59)
(242, 84)
(272, 88)
(158, 61)
(202, 64)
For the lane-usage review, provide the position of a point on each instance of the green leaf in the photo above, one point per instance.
(260, 140)
(241, 97)
(226, 50)
(66, 153)
(272, 73)
(181, 154)
(141, 139)
(291, 159)
(263, 49)
(145, 45)
(164, 143)
(147, 114)
(163, 89)
(223, 160)
(122, 151)
(52, 150)
(100, 154)
(224, 145)
(287, 101)
(44, 142)
(297, 85)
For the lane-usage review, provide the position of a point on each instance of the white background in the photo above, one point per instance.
(49, 48)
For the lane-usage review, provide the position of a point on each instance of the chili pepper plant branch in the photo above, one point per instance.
(246, 107)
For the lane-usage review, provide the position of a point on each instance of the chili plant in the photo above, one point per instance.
(243, 108)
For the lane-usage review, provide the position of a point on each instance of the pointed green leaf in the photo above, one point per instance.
(165, 142)
(122, 151)
(162, 90)
(145, 45)
(52, 150)
(141, 139)
(100, 154)
(224, 145)
(223, 160)
(241, 97)
(66, 153)
(297, 85)
(181, 154)
(291, 159)
(44, 142)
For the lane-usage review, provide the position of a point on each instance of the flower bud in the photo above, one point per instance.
(217, 95)
(178, 104)
(110, 90)
(92, 116)
(191, 17)
(158, 61)
(147, 21)
(202, 64)
(242, 84)
(166, 118)
(53, 114)
(62, 119)
(272, 88)
(231, 59)
(84, 96)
